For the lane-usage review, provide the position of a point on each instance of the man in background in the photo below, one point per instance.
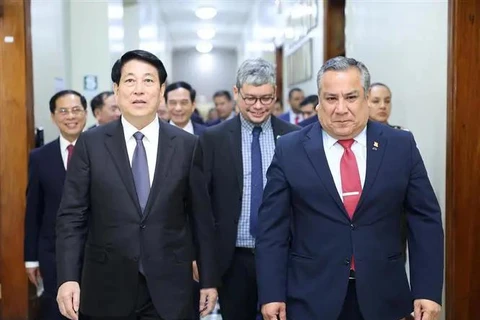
(46, 175)
(294, 115)
(180, 101)
(224, 106)
(104, 108)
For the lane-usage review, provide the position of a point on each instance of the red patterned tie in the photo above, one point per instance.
(297, 119)
(351, 184)
(70, 152)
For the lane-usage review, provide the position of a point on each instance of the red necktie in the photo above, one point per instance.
(70, 152)
(297, 119)
(351, 184)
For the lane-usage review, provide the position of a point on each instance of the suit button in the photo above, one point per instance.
(352, 226)
(347, 262)
(135, 258)
(235, 221)
(142, 226)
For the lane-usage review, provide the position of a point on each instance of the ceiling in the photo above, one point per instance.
(176, 23)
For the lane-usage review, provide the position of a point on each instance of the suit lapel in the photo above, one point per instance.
(57, 160)
(165, 152)
(235, 145)
(278, 128)
(376, 145)
(115, 144)
(313, 145)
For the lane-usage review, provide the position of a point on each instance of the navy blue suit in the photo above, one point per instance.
(198, 129)
(285, 117)
(306, 238)
(213, 122)
(308, 121)
(46, 175)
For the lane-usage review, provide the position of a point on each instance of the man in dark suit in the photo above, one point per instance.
(294, 115)
(180, 101)
(237, 155)
(224, 105)
(104, 108)
(329, 244)
(134, 194)
(308, 107)
(46, 174)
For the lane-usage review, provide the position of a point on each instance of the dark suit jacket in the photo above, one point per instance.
(46, 174)
(213, 122)
(198, 129)
(308, 121)
(285, 116)
(222, 147)
(310, 271)
(100, 216)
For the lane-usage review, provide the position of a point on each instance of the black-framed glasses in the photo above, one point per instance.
(250, 101)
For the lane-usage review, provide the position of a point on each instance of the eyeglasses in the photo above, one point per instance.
(75, 111)
(250, 101)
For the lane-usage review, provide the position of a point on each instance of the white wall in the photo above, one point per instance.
(51, 58)
(404, 45)
(206, 73)
(316, 34)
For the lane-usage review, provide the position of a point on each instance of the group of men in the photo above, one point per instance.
(276, 221)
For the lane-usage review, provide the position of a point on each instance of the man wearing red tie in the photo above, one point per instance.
(46, 174)
(329, 240)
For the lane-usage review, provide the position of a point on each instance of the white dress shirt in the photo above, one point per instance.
(188, 127)
(64, 143)
(293, 115)
(334, 153)
(150, 141)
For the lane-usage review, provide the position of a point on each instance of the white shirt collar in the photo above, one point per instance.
(188, 127)
(330, 141)
(64, 143)
(150, 131)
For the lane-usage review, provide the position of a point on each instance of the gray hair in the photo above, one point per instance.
(343, 64)
(256, 72)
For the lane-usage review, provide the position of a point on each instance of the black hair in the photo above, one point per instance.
(141, 55)
(178, 85)
(59, 94)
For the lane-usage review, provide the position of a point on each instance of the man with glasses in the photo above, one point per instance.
(237, 154)
(46, 175)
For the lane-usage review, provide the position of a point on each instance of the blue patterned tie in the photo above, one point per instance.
(140, 171)
(256, 191)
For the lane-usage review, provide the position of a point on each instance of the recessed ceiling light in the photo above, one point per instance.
(147, 32)
(115, 32)
(204, 47)
(206, 33)
(206, 13)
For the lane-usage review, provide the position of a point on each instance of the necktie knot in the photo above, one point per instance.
(346, 144)
(138, 136)
(256, 131)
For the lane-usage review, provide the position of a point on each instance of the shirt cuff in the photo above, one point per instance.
(32, 264)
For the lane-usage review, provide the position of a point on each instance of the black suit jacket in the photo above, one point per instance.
(46, 174)
(100, 217)
(198, 129)
(222, 145)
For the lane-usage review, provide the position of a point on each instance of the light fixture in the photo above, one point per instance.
(147, 32)
(204, 47)
(117, 47)
(206, 13)
(115, 32)
(115, 12)
(206, 33)
(155, 46)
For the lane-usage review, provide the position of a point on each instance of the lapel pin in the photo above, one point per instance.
(278, 136)
(375, 145)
